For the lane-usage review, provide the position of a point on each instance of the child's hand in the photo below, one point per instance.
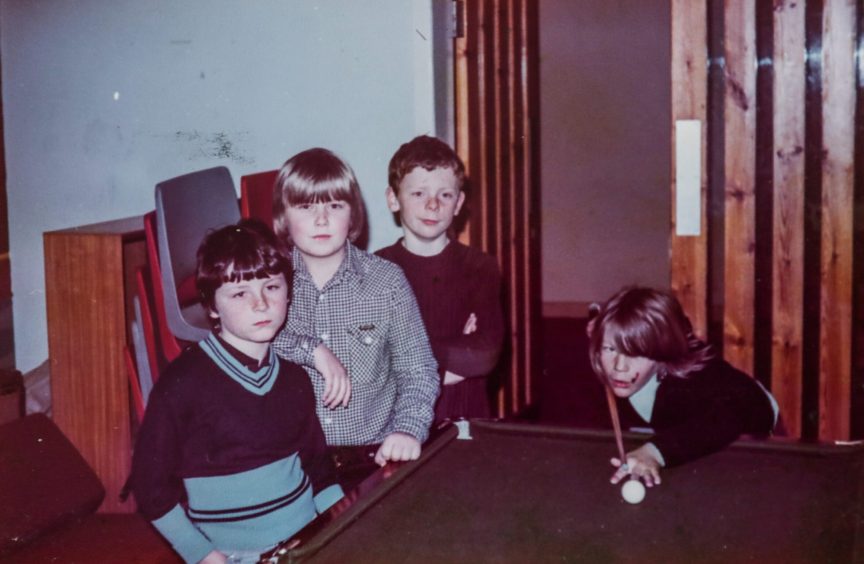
(470, 325)
(451, 378)
(214, 557)
(641, 464)
(397, 447)
(337, 385)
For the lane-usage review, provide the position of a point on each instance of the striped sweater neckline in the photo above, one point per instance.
(259, 382)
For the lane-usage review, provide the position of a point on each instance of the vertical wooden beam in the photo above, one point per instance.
(500, 165)
(517, 243)
(838, 138)
(689, 255)
(495, 93)
(739, 115)
(486, 10)
(528, 187)
(788, 211)
(856, 415)
(461, 68)
(472, 117)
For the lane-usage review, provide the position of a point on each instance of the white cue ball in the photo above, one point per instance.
(633, 491)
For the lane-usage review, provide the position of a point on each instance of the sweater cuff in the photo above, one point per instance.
(327, 497)
(189, 542)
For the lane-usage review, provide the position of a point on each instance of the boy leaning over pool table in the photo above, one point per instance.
(642, 347)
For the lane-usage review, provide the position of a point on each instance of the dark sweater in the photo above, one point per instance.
(450, 286)
(704, 412)
(207, 436)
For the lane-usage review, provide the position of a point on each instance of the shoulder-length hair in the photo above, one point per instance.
(313, 176)
(648, 323)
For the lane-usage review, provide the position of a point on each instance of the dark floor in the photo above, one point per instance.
(568, 392)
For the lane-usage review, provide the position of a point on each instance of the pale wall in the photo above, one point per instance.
(102, 100)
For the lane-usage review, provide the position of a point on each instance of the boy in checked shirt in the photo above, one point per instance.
(354, 310)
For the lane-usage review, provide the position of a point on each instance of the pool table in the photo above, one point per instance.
(525, 493)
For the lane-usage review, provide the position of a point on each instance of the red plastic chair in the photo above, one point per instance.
(148, 328)
(256, 196)
(134, 384)
(171, 347)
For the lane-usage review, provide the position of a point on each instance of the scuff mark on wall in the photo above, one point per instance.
(219, 144)
(223, 147)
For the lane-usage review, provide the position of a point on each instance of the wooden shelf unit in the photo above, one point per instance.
(89, 286)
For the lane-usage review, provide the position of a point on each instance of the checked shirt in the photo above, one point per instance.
(368, 317)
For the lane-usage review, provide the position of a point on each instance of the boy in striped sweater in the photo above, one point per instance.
(230, 458)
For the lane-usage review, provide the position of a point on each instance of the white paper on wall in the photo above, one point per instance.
(688, 177)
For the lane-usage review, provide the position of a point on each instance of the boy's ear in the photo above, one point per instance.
(392, 200)
(459, 202)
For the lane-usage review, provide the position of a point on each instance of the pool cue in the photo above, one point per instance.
(616, 425)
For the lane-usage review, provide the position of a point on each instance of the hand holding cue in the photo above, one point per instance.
(616, 425)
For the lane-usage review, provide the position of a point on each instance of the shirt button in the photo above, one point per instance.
(324, 336)
(328, 420)
(321, 298)
(367, 340)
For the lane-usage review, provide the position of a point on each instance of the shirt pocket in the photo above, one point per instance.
(367, 347)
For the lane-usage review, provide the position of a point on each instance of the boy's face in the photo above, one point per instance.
(319, 230)
(626, 375)
(427, 202)
(251, 312)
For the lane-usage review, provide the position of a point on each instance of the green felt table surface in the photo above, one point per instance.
(521, 493)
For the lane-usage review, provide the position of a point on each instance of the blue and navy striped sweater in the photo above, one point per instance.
(230, 456)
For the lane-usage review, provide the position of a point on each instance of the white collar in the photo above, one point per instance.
(643, 400)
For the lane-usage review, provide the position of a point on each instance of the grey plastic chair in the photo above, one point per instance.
(187, 208)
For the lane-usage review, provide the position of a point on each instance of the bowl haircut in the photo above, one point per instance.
(246, 250)
(314, 176)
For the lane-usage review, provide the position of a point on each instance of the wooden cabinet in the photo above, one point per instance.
(89, 285)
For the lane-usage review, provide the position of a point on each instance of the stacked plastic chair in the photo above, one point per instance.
(169, 314)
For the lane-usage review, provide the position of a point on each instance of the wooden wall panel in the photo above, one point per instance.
(500, 232)
(788, 211)
(806, 191)
(689, 255)
(739, 116)
(495, 67)
(838, 138)
(527, 184)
